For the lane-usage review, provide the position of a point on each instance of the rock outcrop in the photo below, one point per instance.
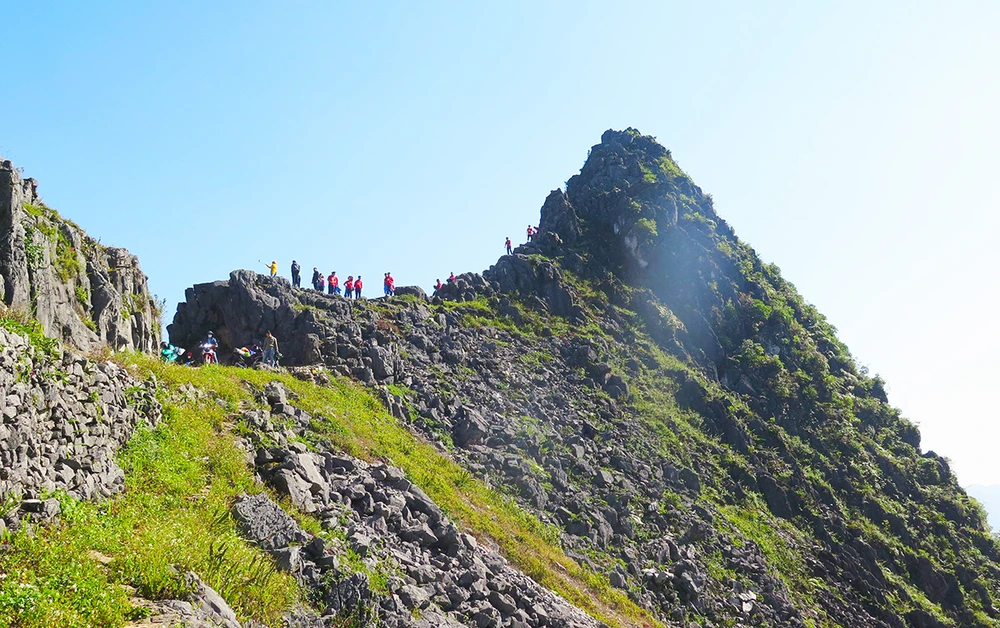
(444, 575)
(83, 293)
(63, 419)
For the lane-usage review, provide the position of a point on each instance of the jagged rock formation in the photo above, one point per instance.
(451, 580)
(639, 378)
(63, 420)
(82, 292)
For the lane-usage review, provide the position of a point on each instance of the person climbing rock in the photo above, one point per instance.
(330, 282)
(273, 267)
(316, 276)
(357, 287)
(270, 350)
(510, 247)
(349, 287)
(296, 275)
(335, 283)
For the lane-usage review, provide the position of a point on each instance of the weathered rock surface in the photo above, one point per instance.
(444, 576)
(63, 419)
(82, 292)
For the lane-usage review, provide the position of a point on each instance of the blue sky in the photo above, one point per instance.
(853, 145)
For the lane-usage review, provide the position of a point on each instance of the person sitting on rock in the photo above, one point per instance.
(452, 278)
(296, 275)
(357, 287)
(510, 247)
(334, 283)
(438, 285)
(169, 352)
(270, 350)
(349, 287)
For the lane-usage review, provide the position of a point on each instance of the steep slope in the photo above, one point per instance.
(82, 292)
(638, 378)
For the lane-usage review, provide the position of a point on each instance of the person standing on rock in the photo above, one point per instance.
(273, 267)
(392, 286)
(510, 248)
(531, 233)
(357, 287)
(321, 284)
(296, 275)
(315, 279)
(270, 350)
(334, 283)
(349, 286)
(330, 281)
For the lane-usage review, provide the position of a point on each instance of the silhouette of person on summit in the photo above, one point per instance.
(296, 275)
(510, 248)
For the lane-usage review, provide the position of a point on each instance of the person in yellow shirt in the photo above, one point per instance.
(274, 268)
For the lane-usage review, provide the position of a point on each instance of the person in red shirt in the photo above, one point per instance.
(510, 249)
(452, 278)
(357, 287)
(438, 285)
(349, 286)
(390, 285)
(531, 233)
(334, 283)
(329, 283)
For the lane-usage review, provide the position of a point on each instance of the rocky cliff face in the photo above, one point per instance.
(82, 292)
(62, 422)
(639, 379)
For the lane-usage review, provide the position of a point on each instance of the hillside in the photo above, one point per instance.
(631, 421)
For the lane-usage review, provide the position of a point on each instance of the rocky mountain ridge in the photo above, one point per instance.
(632, 410)
(639, 379)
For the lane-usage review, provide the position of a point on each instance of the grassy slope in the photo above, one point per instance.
(181, 480)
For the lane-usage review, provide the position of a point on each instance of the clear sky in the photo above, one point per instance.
(852, 143)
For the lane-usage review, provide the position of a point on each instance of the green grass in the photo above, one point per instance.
(347, 417)
(181, 479)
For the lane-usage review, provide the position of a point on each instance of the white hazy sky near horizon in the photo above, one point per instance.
(853, 144)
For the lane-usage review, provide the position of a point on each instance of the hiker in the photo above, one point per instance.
(357, 287)
(531, 233)
(321, 284)
(334, 283)
(392, 286)
(273, 267)
(169, 352)
(452, 278)
(510, 248)
(316, 276)
(296, 275)
(438, 285)
(270, 350)
(330, 281)
(349, 286)
(385, 284)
